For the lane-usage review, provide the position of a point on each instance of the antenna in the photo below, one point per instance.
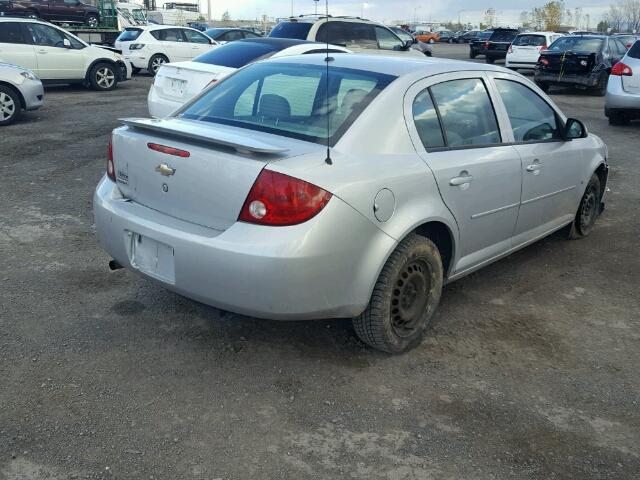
(327, 60)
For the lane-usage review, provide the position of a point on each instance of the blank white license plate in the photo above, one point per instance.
(152, 258)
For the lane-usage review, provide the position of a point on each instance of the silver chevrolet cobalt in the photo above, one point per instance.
(286, 193)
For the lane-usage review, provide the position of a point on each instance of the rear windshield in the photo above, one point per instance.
(634, 51)
(484, 35)
(530, 40)
(298, 30)
(237, 54)
(290, 100)
(129, 35)
(503, 35)
(576, 44)
(214, 32)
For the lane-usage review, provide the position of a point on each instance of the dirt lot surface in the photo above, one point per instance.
(531, 369)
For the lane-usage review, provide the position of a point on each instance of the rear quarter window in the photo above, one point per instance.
(634, 51)
(297, 30)
(129, 35)
(503, 36)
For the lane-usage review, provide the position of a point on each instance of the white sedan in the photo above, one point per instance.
(176, 83)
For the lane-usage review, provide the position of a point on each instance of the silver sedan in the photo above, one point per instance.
(20, 89)
(622, 102)
(281, 193)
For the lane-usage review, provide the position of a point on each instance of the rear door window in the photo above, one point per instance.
(466, 113)
(11, 33)
(532, 119)
(168, 35)
(634, 51)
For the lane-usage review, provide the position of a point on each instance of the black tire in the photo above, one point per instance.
(135, 70)
(32, 14)
(588, 210)
(155, 63)
(404, 298)
(543, 86)
(600, 90)
(489, 60)
(92, 20)
(103, 77)
(10, 106)
(618, 118)
(472, 54)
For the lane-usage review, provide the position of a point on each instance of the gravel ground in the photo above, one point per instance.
(531, 369)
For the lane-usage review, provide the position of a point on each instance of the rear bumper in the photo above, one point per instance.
(509, 63)
(589, 80)
(619, 99)
(33, 94)
(495, 54)
(323, 268)
(160, 107)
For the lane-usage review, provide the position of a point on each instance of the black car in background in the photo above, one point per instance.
(582, 61)
(498, 43)
(224, 35)
(478, 45)
(468, 37)
(446, 36)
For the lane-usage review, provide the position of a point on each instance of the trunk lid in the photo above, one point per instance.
(182, 81)
(210, 185)
(631, 84)
(569, 62)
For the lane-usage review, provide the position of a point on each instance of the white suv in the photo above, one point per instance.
(151, 47)
(57, 56)
(357, 34)
(525, 49)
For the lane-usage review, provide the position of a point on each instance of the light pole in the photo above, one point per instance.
(316, 2)
(364, 6)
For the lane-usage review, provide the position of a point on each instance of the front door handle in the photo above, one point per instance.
(463, 179)
(534, 167)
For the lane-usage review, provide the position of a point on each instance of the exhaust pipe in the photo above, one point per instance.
(113, 265)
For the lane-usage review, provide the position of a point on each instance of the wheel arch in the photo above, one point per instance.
(96, 62)
(23, 104)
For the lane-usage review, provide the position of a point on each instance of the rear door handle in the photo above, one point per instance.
(463, 179)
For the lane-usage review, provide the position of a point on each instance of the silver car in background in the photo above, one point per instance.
(20, 89)
(622, 101)
(284, 193)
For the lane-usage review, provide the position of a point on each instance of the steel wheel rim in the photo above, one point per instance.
(105, 77)
(588, 210)
(7, 106)
(157, 63)
(410, 297)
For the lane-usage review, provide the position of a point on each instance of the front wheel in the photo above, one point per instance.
(588, 210)
(92, 20)
(103, 77)
(9, 105)
(404, 298)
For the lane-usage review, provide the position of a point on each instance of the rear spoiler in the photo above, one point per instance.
(218, 135)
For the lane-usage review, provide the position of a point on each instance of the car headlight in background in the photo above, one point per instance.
(136, 46)
(28, 75)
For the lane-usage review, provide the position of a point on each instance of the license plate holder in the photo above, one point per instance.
(152, 258)
(176, 85)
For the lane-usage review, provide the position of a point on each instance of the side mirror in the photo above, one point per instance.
(574, 129)
(66, 43)
(408, 44)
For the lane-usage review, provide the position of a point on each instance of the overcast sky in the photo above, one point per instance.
(389, 10)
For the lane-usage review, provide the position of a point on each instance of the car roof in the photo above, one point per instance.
(395, 65)
(540, 33)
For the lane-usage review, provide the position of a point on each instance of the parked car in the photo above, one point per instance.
(583, 61)
(405, 36)
(498, 44)
(271, 196)
(200, 26)
(353, 33)
(427, 37)
(627, 39)
(176, 83)
(224, 35)
(150, 47)
(524, 51)
(458, 36)
(446, 36)
(622, 102)
(478, 45)
(57, 56)
(61, 11)
(20, 89)
(470, 36)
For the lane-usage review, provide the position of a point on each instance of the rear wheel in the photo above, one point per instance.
(135, 70)
(103, 76)
(9, 105)
(618, 118)
(92, 20)
(588, 210)
(404, 298)
(600, 89)
(489, 60)
(156, 62)
(472, 54)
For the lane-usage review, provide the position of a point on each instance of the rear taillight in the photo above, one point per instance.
(486, 44)
(280, 200)
(622, 70)
(111, 169)
(510, 50)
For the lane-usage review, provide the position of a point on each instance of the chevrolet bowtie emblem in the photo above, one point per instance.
(165, 170)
